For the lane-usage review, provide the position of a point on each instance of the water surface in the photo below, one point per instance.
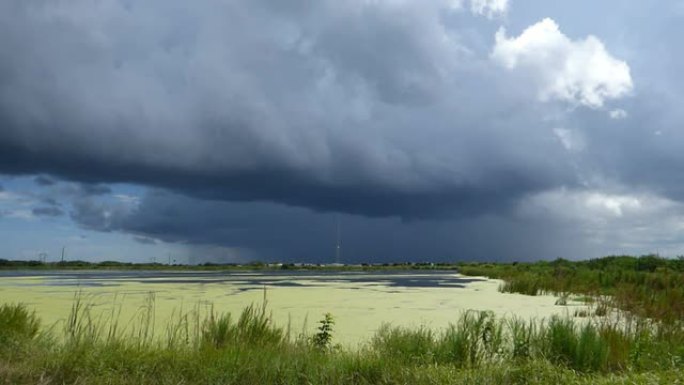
(359, 301)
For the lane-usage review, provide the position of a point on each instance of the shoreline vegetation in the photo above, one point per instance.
(643, 344)
(6, 264)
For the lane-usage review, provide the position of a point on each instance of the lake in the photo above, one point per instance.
(359, 301)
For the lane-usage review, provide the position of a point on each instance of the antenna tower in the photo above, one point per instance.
(338, 245)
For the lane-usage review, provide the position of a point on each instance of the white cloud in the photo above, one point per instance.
(614, 205)
(127, 199)
(618, 114)
(595, 205)
(17, 199)
(488, 8)
(579, 72)
(19, 214)
(571, 140)
(16, 205)
(613, 221)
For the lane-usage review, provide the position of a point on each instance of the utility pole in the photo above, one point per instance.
(338, 246)
(63, 247)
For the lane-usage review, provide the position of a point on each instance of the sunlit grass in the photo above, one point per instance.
(647, 286)
(199, 347)
(642, 342)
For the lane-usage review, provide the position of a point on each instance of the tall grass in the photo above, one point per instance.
(647, 286)
(17, 323)
(220, 348)
(252, 328)
(478, 339)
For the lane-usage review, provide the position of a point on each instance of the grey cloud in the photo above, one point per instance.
(47, 211)
(96, 215)
(641, 151)
(264, 117)
(90, 215)
(94, 189)
(610, 222)
(76, 190)
(50, 201)
(43, 180)
(561, 223)
(274, 232)
(367, 108)
(399, 51)
(144, 240)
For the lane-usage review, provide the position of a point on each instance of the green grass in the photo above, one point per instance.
(17, 324)
(477, 348)
(644, 345)
(647, 286)
(252, 328)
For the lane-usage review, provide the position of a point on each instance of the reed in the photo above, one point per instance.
(200, 347)
(646, 286)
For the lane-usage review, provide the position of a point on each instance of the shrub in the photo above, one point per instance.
(403, 344)
(17, 323)
(523, 336)
(560, 340)
(322, 339)
(253, 328)
(476, 337)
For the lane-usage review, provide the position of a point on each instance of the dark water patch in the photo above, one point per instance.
(65, 284)
(184, 281)
(247, 280)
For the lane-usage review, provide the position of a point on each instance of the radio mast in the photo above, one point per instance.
(338, 245)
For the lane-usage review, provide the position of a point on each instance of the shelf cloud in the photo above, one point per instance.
(446, 117)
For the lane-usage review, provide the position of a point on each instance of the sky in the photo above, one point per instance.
(432, 130)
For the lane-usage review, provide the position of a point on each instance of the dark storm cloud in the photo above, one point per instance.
(370, 108)
(47, 212)
(94, 189)
(274, 232)
(43, 180)
(144, 240)
(96, 215)
(262, 117)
